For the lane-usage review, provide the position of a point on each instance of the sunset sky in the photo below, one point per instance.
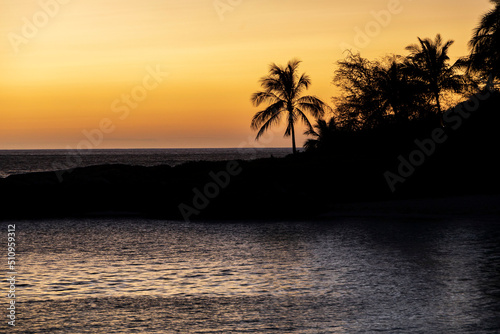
(70, 67)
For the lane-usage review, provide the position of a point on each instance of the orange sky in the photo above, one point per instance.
(69, 66)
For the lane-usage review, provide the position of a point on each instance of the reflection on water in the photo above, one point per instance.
(135, 276)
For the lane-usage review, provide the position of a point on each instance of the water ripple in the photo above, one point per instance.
(110, 276)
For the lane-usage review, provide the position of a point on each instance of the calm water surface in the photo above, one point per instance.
(147, 276)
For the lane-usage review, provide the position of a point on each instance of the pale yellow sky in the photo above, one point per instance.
(67, 65)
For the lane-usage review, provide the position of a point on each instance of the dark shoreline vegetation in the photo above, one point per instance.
(393, 135)
(305, 185)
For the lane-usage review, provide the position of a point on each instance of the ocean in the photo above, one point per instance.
(27, 161)
(125, 275)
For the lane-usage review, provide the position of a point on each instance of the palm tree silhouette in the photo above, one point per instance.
(282, 90)
(429, 61)
(323, 132)
(397, 92)
(485, 44)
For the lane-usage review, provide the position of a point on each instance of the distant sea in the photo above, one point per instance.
(27, 161)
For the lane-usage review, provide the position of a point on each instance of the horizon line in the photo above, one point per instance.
(141, 148)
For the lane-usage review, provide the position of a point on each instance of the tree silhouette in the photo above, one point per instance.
(323, 133)
(485, 45)
(430, 63)
(376, 92)
(397, 91)
(282, 90)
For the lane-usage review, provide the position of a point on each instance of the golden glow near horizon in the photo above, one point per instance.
(165, 73)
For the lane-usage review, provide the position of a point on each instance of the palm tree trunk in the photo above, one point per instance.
(436, 90)
(438, 103)
(292, 126)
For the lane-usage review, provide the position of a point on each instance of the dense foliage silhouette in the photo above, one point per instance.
(484, 58)
(382, 100)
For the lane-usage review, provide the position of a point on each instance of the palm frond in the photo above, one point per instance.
(302, 84)
(313, 105)
(263, 116)
(484, 45)
(304, 119)
(260, 97)
(273, 120)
